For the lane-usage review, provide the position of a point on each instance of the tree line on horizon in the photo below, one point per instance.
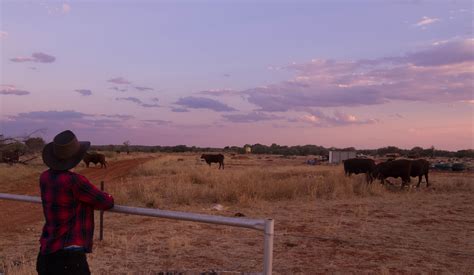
(29, 144)
(297, 150)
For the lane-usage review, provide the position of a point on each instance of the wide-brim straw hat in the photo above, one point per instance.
(65, 152)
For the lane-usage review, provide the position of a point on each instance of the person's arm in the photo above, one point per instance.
(87, 193)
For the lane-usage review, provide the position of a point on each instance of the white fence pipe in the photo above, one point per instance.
(185, 216)
(268, 247)
(24, 198)
(262, 225)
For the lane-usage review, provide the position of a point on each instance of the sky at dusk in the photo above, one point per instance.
(365, 74)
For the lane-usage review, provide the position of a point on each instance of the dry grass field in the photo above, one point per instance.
(324, 221)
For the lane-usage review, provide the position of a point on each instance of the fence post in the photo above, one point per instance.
(101, 220)
(268, 247)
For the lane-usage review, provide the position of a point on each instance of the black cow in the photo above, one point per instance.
(420, 168)
(95, 158)
(210, 158)
(358, 165)
(395, 168)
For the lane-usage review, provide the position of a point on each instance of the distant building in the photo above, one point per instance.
(340, 156)
(248, 149)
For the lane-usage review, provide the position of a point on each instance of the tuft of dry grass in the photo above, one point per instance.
(21, 266)
(9, 173)
(12, 175)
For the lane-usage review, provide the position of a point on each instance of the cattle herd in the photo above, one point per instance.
(399, 168)
(97, 158)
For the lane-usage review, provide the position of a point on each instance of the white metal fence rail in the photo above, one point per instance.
(262, 225)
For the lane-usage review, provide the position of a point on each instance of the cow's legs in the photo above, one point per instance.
(419, 180)
(426, 177)
(368, 178)
(405, 181)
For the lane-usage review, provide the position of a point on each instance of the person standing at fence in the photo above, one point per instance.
(69, 200)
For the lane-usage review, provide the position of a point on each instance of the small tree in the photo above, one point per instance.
(126, 146)
(34, 144)
(415, 152)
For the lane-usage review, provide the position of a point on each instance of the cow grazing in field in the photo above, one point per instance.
(358, 165)
(210, 158)
(395, 168)
(95, 158)
(420, 168)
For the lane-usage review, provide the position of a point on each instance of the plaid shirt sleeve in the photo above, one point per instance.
(87, 193)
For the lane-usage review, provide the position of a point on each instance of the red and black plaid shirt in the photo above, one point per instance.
(69, 200)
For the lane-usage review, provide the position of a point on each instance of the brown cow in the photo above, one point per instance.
(395, 168)
(209, 158)
(95, 158)
(420, 167)
(358, 165)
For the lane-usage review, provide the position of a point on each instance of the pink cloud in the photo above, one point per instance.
(139, 102)
(204, 103)
(142, 88)
(443, 53)
(66, 8)
(84, 92)
(12, 90)
(157, 122)
(88, 125)
(219, 92)
(251, 117)
(425, 20)
(319, 119)
(119, 80)
(118, 89)
(179, 110)
(35, 57)
(439, 73)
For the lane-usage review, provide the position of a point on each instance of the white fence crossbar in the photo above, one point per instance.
(262, 225)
